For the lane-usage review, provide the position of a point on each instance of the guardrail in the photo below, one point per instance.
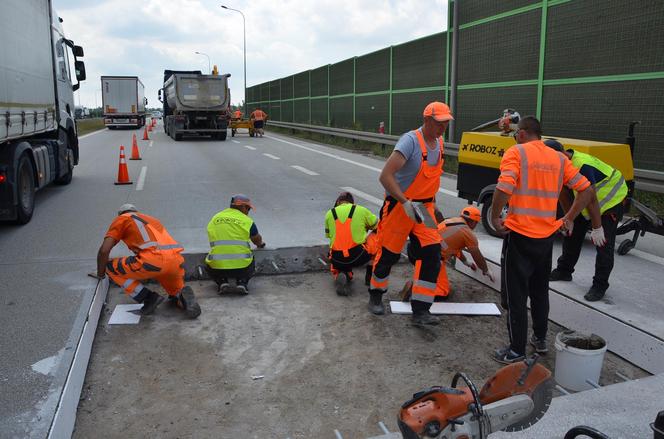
(646, 180)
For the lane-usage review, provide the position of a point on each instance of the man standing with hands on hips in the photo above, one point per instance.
(531, 178)
(411, 176)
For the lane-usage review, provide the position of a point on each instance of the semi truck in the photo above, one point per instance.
(195, 104)
(38, 137)
(123, 101)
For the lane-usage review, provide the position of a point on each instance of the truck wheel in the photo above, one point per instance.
(222, 136)
(177, 137)
(26, 190)
(66, 139)
(487, 202)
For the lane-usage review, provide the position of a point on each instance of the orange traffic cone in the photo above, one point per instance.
(145, 134)
(123, 173)
(135, 154)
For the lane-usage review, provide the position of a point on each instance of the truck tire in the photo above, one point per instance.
(222, 136)
(487, 202)
(25, 182)
(177, 136)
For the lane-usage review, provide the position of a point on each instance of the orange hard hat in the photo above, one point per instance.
(472, 213)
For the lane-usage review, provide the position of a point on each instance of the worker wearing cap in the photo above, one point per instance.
(156, 257)
(412, 175)
(231, 233)
(602, 216)
(457, 236)
(237, 114)
(531, 178)
(259, 117)
(346, 225)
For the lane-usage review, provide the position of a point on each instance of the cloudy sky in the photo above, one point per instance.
(144, 37)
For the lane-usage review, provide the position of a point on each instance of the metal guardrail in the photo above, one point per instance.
(646, 180)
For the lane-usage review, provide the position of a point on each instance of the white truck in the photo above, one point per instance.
(38, 138)
(123, 101)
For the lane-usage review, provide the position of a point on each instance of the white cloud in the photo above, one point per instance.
(129, 37)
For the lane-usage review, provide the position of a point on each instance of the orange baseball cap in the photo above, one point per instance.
(439, 111)
(241, 200)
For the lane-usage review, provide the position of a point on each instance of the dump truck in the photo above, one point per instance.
(195, 104)
(38, 137)
(123, 101)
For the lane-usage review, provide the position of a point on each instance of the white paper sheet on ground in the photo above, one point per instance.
(477, 274)
(123, 315)
(466, 309)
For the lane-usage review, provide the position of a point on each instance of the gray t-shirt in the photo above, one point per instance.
(409, 146)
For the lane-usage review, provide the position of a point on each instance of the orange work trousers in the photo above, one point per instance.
(165, 267)
(442, 284)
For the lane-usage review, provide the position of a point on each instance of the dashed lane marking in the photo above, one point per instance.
(305, 170)
(141, 178)
(273, 157)
(364, 195)
(250, 147)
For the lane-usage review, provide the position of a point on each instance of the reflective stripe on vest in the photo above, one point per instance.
(143, 226)
(611, 190)
(523, 189)
(228, 233)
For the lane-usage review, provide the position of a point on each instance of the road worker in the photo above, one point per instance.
(156, 257)
(346, 225)
(457, 236)
(237, 114)
(601, 216)
(531, 178)
(258, 117)
(411, 178)
(231, 233)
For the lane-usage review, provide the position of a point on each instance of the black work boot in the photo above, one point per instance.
(367, 275)
(594, 294)
(151, 301)
(340, 284)
(421, 315)
(558, 274)
(189, 303)
(376, 302)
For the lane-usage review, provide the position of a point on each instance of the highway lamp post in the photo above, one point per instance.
(208, 57)
(244, 32)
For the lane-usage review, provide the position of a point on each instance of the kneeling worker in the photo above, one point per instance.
(231, 232)
(457, 236)
(157, 257)
(346, 225)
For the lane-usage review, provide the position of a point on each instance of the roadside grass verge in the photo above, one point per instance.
(85, 126)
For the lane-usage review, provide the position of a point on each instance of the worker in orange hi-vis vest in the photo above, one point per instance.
(411, 178)
(531, 178)
(259, 117)
(237, 114)
(156, 256)
(457, 237)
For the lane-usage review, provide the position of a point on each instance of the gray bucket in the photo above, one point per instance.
(579, 359)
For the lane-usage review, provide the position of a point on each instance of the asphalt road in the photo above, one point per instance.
(43, 264)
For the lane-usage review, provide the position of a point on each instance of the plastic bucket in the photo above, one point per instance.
(579, 357)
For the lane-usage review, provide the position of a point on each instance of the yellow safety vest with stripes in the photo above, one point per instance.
(611, 190)
(228, 232)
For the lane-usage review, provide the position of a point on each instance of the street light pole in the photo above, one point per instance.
(208, 57)
(244, 32)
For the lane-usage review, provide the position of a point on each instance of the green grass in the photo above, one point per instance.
(85, 126)
(653, 200)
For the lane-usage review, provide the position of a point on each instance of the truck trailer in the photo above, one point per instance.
(195, 104)
(123, 101)
(38, 137)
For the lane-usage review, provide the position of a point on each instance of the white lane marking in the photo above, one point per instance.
(305, 170)
(141, 178)
(353, 162)
(250, 147)
(273, 157)
(235, 141)
(364, 195)
(647, 256)
(150, 145)
(91, 134)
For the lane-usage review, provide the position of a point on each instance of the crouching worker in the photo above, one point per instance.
(231, 233)
(346, 225)
(457, 236)
(156, 257)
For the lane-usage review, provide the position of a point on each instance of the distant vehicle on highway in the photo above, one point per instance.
(38, 138)
(81, 113)
(195, 104)
(123, 101)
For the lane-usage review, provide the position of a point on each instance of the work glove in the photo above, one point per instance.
(411, 212)
(469, 264)
(597, 235)
(488, 273)
(567, 227)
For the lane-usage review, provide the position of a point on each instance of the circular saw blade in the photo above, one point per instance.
(541, 396)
